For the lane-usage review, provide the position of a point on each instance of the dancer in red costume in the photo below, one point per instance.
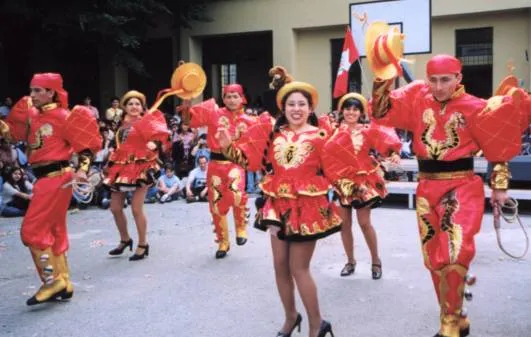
(296, 209)
(54, 134)
(133, 166)
(358, 177)
(449, 127)
(226, 180)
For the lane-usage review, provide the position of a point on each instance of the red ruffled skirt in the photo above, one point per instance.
(130, 169)
(362, 190)
(298, 208)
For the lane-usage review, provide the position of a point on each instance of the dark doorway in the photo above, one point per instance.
(78, 63)
(238, 58)
(474, 49)
(354, 73)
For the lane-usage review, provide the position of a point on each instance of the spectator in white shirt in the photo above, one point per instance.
(196, 185)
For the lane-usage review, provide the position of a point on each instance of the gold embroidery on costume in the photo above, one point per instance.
(215, 184)
(235, 178)
(455, 231)
(500, 176)
(425, 227)
(45, 130)
(357, 140)
(235, 155)
(289, 153)
(224, 122)
(241, 128)
(437, 149)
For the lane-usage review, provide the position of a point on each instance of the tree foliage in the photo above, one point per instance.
(117, 26)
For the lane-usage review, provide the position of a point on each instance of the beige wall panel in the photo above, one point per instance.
(302, 30)
(313, 61)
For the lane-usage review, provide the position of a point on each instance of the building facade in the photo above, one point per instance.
(247, 37)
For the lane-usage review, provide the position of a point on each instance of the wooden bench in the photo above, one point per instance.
(409, 188)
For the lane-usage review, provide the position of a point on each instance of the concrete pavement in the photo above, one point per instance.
(181, 290)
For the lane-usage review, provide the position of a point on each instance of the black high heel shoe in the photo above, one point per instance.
(121, 247)
(325, 328)
(297, 325)
(137, 257)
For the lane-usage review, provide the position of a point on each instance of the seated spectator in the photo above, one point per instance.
(5, 108)
(201, 149)
(168, 186)
(16, 193)
(196, 185)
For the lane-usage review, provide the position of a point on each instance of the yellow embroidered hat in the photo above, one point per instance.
(296, 85)
(354, 95)
(131, 94)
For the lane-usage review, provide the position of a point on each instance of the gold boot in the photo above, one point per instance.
(54, 286)
(451, 289)
(223, 238)
(449, 326)
(64, 273)
(241, 216)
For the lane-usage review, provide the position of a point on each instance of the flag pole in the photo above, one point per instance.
(363, 78)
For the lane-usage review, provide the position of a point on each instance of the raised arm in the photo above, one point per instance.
(395, 108)
(15, 127)
(198, 115)
(384, 140)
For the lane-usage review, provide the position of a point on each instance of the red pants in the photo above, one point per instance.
(44, 225)
(449, 214)
(226, 189)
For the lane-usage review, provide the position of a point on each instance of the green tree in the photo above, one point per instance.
(117, 26)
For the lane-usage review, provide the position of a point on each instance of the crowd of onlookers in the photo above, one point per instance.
(182, 174)
(183, 167)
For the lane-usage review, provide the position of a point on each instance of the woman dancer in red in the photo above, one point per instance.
(133, 167)
(358, 178)
(296, 210)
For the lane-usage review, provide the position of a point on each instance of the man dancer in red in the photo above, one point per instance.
(226, 180)
(54, 134)
(449, 127)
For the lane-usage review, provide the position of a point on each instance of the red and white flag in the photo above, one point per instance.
(348, 56)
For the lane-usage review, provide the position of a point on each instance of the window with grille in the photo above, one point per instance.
(474, 50)
(474, 46)
(228, 74)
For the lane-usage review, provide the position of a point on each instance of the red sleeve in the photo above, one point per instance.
(81, 130)
(18, 118)
(396, 108)
(249, 154)
(384, 139)
(257, 139)
(201, 114)
(324, 123)
(496, 127)
(338, 157)
(153, 127)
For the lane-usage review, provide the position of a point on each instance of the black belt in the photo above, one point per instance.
(218, 156)
(438, 166)
(42, 171)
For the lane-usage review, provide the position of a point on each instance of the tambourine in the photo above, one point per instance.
(188, 81)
